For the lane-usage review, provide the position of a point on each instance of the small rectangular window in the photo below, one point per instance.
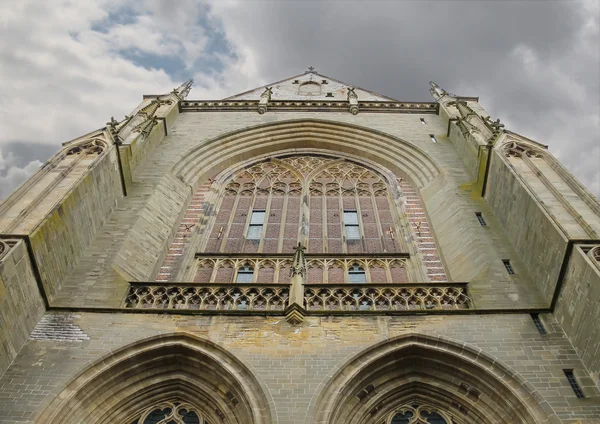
(432, 137)
(329, 94)
(351, 228)
(245, 274)
(423, 121)
(296, 82)
(481, 219)
(538, 323)
(508, 266)
(323, 81)
(357, 274)
(255, 227)
(574, 384)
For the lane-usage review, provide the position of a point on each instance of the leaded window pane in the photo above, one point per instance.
(357, 275)
(257, 218)
(245, 275)
(350, 218)
(352, 232)
(254, 232)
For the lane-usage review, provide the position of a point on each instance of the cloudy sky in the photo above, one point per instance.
(67, 66)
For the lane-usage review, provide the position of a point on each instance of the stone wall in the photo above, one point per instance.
(578, 307)
(63, 236)
(537, 241)
(294, 364)
(21, 305)
(194, 134)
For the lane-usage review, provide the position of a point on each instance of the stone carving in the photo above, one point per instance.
(172, 413)
(207, 297)
(416, 413)
(369, 297)
(495, 126)
(516, 149)
(299, 262)
(381, 270)
(436, 91)
(353, 101)
(89, 147)
(347, 179)
(5, 246)
(265, 98)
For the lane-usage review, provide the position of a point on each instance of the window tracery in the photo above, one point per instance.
(415, 413)
(171, 413)
(331, 205)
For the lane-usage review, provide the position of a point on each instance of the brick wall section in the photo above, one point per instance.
(58, 327)
(189, 223)
(294, 363)
(425, 241)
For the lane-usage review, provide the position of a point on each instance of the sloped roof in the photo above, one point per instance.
(311, 85)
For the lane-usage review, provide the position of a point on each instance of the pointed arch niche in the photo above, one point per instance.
(177, 374)
(426, 380)
(302, 195)
(208, 167)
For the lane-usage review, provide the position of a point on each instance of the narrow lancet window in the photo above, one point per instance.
(508, 266)
(538, 323)
(351, 227)
(481, 219)
(574, 384)
(255, 227)
(245, 274)
(356, 274)
(433, 139)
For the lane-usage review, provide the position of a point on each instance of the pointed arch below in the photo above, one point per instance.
(219, 153)
(461, 381)
(178, 367)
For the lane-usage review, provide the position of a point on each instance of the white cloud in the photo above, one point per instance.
(12, 175)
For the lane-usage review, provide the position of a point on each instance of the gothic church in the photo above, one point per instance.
(308, 252)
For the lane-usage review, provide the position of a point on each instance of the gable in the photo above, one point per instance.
(313, 86)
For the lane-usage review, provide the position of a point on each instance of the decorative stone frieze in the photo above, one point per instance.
(315, 105)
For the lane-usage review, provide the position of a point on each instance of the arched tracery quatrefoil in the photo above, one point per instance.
(347, 179)
(416, 413)
(171, 413)
(263, 179)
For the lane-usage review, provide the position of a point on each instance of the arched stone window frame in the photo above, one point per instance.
(459, 380)
(126, 382)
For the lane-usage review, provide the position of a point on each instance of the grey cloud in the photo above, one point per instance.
(471, 48)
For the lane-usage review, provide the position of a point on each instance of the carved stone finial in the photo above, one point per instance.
(436, 91)
(311, 70)
(267, 93)
(495, 126)
(183, 90)
(353, 100)
(263, 102)
(299, 262)
(112, 125)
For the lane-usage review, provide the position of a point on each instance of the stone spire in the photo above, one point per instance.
(184, 89)
(436, 91)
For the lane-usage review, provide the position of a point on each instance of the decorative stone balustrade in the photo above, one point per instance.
(368, 297)
(222, 297)
(317, 298)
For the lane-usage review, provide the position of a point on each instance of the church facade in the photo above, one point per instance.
(308, 252)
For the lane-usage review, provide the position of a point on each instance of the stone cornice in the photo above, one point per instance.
(308, 105)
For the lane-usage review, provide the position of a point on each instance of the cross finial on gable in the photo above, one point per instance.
(311, 69)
